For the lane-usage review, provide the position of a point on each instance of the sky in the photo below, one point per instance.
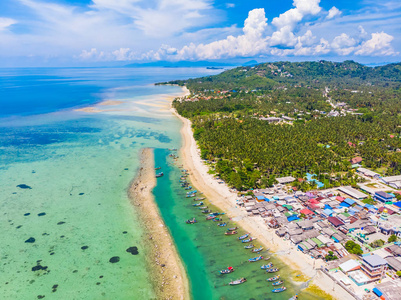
(102, 32)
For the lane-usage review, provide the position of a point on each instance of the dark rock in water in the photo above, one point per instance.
(42, 214)
(55, 286)
(33, 171)
(133, 250)
(126, 169)
(162, 265)
(14, 193)
(81, 194)
(114, 259)
(19, 226)
(60, 223)
(45, 233)
(24, 186)
(97, 283)
(30, 240)
(84, 247)
(38, 268)
(125, 232)
(75, 271)
(54, 290)
(101, 276)
(41, 296)
(27, 214)
(62, 236)
(51, 253)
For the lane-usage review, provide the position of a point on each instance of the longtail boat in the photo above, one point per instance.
(217, 219)
(257, 249)
(203, 207)
(199, 199)
(193, 221)
(230, 232)
(188, 188)
(191, 195)
(206, 211)
(238, 281)
(232, 229)
(255, 258)
(197, 204)
(267, 258)
(159, 174)
(268, 266)
(192, 192)
(295, 297)
(227, 271)
(196, 199)
(248, 240)
(158, 168)
(277, 277)
(250, 246)
(243, 236)
(277, 282)
(279, 290)
(222, 224)
(210, 217)
(272, 270)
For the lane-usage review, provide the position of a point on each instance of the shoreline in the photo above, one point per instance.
(168, 275)
(221, 196)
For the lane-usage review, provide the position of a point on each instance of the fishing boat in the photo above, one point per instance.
(197, 204)
(267, 258)
(193, 221)
(192, 192)
(255, 258)
(158, 168)
(199, 199)
(238, 281)
(190, 195)
(173, 149)
(268, 266)
(295, 297)
(230, 232)
(222, 224)
(272, 270)
(202, 207)
(188, 188)
(243, 236)
(206, 211)
(277, 282)
(277, 277)
(184, 170)
(250, 246)
(257, 249)
(227, 271)
(159, 174)
(279, 290)
(248, 240)
(232, 229)
(217, 219)
(210, 217)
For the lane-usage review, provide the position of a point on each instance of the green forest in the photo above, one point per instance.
(228, 110)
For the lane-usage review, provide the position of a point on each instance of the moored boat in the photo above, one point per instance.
(232, 228)
(197, 204)
(257, 249)
(191, 195)
(206, 211)
(277, 282)
(268, 266)
(267, 258)
(238, 281)
(203, 207)
(248, 240)
(250, 246)
(255, 258)
(230, 232)
(210, 217)
(217, 219)
(159, 174)
(193, 221)
(188, 188)
(272, 270)
(227, 271)
(222, 224)
(158, 168)
(279, 290)
(199, 199)
(243, 236)
(277, 277)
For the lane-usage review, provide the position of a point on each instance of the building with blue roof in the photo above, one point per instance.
(328, 212)
(292, 218)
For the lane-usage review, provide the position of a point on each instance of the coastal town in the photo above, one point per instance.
(353, 234)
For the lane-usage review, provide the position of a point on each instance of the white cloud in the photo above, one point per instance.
(333, 12)
(343, 44)
(379, 44)
(230, 5)
(6, 22)
(292, 16)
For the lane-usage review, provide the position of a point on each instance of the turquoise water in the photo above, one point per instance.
(64, 175)
(205, 249)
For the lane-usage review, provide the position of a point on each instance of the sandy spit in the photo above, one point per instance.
(168, 274)
(221, 196)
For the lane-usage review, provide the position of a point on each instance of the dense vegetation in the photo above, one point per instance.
(227, 112)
